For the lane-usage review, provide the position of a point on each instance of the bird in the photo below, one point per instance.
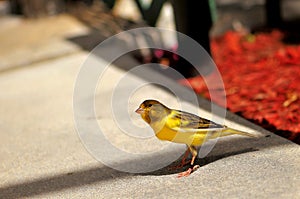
(184, 128)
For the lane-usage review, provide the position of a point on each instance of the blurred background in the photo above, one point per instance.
(254, 43)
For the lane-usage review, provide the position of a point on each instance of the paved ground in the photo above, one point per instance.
(42, 155)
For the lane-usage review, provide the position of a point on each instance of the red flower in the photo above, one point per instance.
(261, 77)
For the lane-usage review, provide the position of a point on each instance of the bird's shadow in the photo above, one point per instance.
(96, 174)
(173, 167)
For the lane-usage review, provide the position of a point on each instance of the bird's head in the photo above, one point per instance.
(152, 110)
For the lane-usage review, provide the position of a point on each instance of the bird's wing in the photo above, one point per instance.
(186, 122)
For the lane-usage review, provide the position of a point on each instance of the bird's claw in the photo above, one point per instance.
(188, 172)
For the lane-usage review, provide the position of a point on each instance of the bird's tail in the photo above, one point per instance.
(230, 131)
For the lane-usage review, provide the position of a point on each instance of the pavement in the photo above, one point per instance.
(50, 148)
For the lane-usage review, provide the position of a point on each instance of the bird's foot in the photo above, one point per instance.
(179, 166)
(188, 172)
(183, 162)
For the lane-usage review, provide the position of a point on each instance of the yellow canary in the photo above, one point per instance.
(182, 127)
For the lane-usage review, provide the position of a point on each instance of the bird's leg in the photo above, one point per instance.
(183, 161)
(193, 167)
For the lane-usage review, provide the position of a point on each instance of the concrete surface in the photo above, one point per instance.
(42, 155)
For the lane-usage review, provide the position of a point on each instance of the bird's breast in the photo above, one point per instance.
(189, 138)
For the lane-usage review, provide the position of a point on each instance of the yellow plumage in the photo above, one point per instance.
(182, 127)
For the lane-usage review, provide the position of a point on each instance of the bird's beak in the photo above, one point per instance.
(139, 110)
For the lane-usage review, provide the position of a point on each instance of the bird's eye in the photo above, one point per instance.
(150, 105)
